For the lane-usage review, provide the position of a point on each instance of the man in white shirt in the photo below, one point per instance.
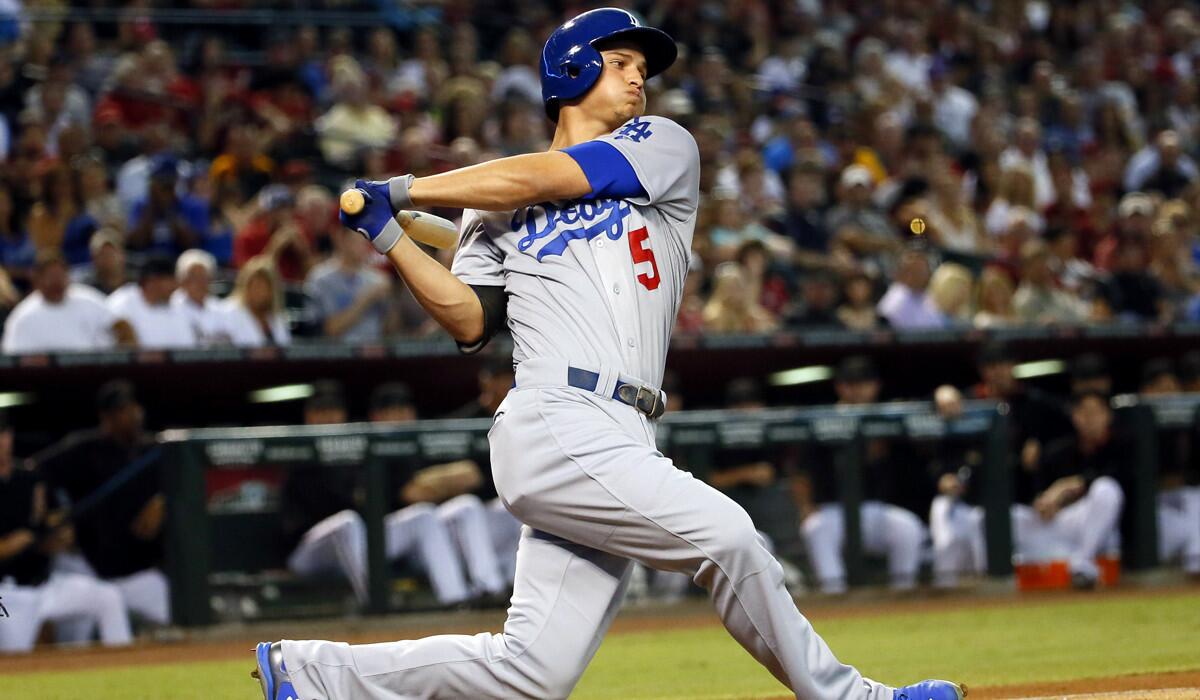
(148, 309)
(60, 316)
(202, 311)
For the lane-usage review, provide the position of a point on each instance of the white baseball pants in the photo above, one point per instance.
(582, 473)
(1078, 533)
(339, 543)
(1179, 527)
(887, 530)
(63, 598)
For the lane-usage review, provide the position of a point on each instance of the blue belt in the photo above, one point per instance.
(644, 398)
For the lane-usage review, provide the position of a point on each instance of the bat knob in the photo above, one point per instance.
(353, 201)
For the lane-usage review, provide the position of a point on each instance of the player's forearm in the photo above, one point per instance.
(446, 298)
(14, 543)
(504, 184)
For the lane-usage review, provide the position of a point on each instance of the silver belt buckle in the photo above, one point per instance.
(649, 401)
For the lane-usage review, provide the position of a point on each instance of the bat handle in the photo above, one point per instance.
(353, 201)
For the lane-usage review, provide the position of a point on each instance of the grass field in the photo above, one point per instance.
(1044, 640)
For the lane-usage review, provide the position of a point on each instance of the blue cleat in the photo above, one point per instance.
(931, 690)
(272, 674)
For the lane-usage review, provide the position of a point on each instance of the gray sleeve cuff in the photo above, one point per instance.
(390, 235)
(398, 192)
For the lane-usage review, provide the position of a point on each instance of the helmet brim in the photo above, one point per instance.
(658, 47)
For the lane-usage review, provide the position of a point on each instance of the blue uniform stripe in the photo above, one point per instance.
(607, 171)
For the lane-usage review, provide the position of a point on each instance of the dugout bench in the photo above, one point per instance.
(220, 526)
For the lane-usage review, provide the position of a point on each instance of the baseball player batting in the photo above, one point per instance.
(581, 251)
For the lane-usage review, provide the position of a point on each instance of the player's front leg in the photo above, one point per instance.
(565, 597)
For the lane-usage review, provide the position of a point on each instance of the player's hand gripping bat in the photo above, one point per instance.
(425, 228)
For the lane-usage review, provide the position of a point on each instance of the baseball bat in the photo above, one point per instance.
(425, 228)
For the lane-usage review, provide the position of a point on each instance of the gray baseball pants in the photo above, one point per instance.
(581, 471)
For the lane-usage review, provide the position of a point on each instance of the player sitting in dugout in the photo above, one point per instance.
(31, 593)
(1074, 516)
(1178, 473)
(320, 506)
(887, 529)
(110, 478)
(484, 535)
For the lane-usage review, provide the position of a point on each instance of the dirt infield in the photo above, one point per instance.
(234, 642)
(1156, 686)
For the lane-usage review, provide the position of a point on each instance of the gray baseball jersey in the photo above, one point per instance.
(596, 282)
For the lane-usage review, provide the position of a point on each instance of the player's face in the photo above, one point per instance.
(1092, 418)
(619, 95)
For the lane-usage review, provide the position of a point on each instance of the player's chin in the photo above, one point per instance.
(630, 110)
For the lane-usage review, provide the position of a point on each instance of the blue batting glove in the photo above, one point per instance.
(393, 190)
(376, 222)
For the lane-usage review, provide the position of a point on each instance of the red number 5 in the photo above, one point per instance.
(639, 248)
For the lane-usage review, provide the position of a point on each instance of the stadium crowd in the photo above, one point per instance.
(168, 185)
(1048, 148)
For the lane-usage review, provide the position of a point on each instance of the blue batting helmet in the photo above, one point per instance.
(571, 62)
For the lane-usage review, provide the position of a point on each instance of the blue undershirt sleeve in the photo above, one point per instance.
(607, 170)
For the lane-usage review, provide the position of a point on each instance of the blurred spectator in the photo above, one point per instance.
(100, 208)
(905, 305)
(60, 316)
(1038, 299)
(254, 310)
(763, 277)
(16, 248)
(818, 302)
(147, 307)
(1135, 219)
(802, 221)
(194, 302)
(855, 221)
(106, 272)
(316, 212)
(952, 224)
(1132, 293)
(119, 530)
(1026, 154)
(58, 204)
(1161, 167)
(858, 310)
(995, 305)
(1015, 191)
(242, 169)
(352, 122)
(166, 222)
(731, 309)
(733, 225)
(274, 233)
(351, 298)
(30, 534)
(952, 289)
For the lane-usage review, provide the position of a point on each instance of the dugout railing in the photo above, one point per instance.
(215, 522)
